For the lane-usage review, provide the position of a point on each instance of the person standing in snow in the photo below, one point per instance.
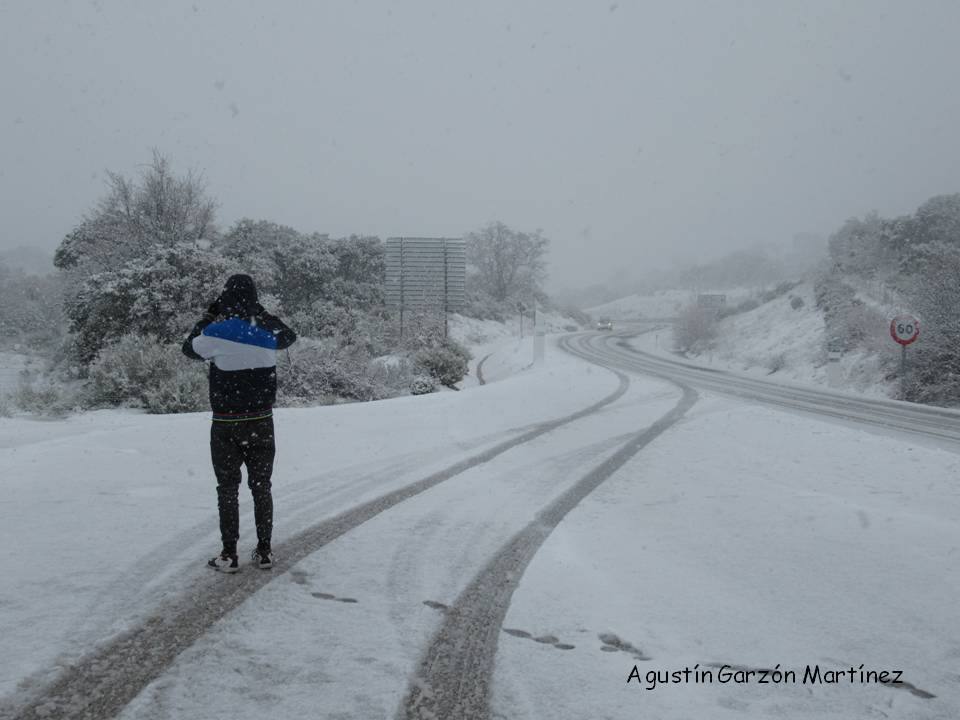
(240, 339)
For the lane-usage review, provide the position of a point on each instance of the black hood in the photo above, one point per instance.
(239, 297)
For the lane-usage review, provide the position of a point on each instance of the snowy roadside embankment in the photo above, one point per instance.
(782, 340)
(504, 348)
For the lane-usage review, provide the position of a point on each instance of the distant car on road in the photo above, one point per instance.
(604, 324)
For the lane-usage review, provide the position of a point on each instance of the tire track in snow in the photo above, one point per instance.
(480, 378)
(455, 674)
(141, 587)
(411, 565)
(101, 684)
(339, 484)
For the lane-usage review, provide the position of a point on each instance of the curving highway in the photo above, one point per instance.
(615, 351)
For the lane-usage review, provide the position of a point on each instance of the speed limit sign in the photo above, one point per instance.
(904, 329)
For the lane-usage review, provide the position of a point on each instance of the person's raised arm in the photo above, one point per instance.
(284, 335)
(208, 317)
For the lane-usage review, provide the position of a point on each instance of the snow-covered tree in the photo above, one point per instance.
(255, 245)
(138, 261)
(135, 217)
(302, 270)
(159, 294)
(918, 240)
(863, 246)
(694, 328)
(935, 357)
(505, 263)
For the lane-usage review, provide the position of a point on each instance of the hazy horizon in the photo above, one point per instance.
(635, 135)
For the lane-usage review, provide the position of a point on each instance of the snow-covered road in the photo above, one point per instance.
(924, 420)
(407, 529)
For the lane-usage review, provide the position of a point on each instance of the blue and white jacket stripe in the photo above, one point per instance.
(243, 358)
(235, 344)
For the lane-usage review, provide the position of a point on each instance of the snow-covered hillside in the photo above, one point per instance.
(663, 304)
(658, 305)
(784, 339)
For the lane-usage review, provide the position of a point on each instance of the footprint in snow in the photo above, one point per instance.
(612, 643)
(328, 596)
(542, 639)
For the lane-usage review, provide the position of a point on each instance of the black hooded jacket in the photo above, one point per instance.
(240, 339)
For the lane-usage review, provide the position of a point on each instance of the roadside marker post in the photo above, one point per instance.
(539, 336)
(834, 353)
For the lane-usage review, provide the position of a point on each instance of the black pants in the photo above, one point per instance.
(233, 444)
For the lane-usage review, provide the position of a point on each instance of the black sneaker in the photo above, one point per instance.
(225, 562)
(263, 559)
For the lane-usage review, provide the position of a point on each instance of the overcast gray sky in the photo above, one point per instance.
(632, 133)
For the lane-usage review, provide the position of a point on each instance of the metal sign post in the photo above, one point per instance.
(426, 277)
(904, 329)
(711, 303)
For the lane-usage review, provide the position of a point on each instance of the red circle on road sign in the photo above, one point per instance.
(904, 329)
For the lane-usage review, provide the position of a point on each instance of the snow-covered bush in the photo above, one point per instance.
(422, 385)
(776, 362)
(161, 294)
(46, 395)
(448, 362)
(40, 398)
(321, 372)
(392, 374)
(346, 326)
(694, 328)
(796, 302)
(741, 307)
(142, 371)
(835, 298)
(483, 306)
(849, 322)
(867, 327)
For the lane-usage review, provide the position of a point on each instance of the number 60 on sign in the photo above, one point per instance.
(904, 329)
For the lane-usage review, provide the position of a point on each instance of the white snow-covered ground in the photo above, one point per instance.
(752, 538)
(504, 348)
(106, 511)
(783, 343)
(742, 536)
(350, 623)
